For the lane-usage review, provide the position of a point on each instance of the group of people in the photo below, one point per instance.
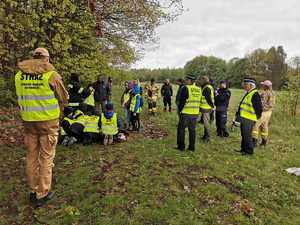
(89, 117)
(200, 97)
(52, 113)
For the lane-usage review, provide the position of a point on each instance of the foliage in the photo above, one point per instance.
(67, 29)
(268, 64)
(236, 70)
(213, 67)
(293, 87)
(159, 75)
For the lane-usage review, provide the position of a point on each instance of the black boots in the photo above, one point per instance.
(263, 142)
(206, 136)
(44, 200)
(254, 140)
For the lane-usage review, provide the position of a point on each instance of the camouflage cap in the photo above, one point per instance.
(41, 52)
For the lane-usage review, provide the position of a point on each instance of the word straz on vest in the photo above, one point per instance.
(31, 76)
(36, 98)
(192, 105)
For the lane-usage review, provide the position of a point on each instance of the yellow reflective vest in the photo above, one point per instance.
(246, 107)
(36, 99)
(192, 105)
(90, 100)
(204, 104)
(109, 126)
(91, 124)
(133, 103)
(126, 97)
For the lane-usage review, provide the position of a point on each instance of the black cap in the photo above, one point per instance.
(190, 77)
(109, 107)
(249, 80)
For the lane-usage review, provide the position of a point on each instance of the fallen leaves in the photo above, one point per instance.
(153, 131)
(11, 129)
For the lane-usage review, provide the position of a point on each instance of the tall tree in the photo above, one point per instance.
(210, 66)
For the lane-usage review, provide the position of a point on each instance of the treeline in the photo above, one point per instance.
(261, 64)
(159, 75)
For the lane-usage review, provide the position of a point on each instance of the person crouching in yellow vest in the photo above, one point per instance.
(91, 129)
(262, 125)
(41, 98)
(109, 124)
(250, 110)
(188, 109)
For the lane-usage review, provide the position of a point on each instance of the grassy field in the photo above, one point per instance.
(146, 181)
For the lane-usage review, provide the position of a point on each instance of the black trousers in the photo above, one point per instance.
(135, 121)
(167, 101)
(246, 133)
(90, 138)
(186, 121)
(221, 120)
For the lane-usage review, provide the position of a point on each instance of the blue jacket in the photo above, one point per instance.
(137, 90)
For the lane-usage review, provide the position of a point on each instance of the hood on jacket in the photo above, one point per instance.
(35, 66)
(108, 114)
(136, 89)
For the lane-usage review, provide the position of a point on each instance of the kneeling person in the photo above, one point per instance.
(109, 123)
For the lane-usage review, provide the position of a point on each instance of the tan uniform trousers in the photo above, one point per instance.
(262, 125)
(40, 139)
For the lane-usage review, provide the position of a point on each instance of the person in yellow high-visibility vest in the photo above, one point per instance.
(41, 98)
(188, 109)
(125, 103)
(206, 105)
(250, 110)
(109, 124)
(91, 129)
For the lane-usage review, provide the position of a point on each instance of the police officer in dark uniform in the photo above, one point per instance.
(222, 99)
(250, 110)
(188, 108)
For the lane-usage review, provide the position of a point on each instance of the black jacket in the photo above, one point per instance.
(101, 91)
(178, 94)
(222, 99)
(183, 96)
(166, 90)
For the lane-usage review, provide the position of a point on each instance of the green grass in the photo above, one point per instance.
(145, 181)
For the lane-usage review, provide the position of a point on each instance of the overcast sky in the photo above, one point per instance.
(226, 29)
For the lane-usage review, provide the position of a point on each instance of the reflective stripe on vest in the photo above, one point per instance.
(246, 108)
(35, 97)
(109, 126)
(91, 124)
(132, 104)
(192, 105)
(204, 104)
(73, 104)
(62, 132)
(90, 100)
(77, 113)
